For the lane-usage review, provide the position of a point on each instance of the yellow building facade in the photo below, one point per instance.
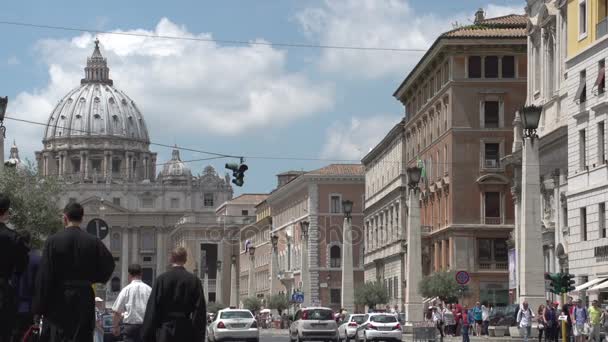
(587, 23)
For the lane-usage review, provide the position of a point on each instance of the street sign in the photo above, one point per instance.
(462, 277)
(98, 227)
(297, 297)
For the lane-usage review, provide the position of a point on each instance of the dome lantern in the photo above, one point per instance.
(97, 70)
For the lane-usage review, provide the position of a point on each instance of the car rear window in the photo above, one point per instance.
(236, 314)
(318, 315)
(358, 319)
(383, 319)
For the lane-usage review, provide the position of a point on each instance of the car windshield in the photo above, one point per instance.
(319, 315)
(358, 319)
(236, 314)
(383, 319)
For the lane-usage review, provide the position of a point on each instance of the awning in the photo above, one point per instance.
(581, 93)
(589, 284)
(601, 74)
(429, 300)
(600, 286)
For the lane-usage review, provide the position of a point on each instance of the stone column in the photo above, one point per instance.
(234, 299)
(251, 289)
(86, 165)
(206, 284)
(124, 257)
(444, 255)
(413, 299)
(515, 194)
(348, 281)
(275, 283)
(436, 256)
(135, 245)
(219, 274)
(532, 283)
(161, 258)
(305, 273)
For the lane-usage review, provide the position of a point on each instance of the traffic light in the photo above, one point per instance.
(556, 282)
(568, 282)
(238, 172)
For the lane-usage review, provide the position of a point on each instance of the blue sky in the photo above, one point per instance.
(235, 99)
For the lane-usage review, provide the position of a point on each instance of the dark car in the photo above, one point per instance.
(504, 316)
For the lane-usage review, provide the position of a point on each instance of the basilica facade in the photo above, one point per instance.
(96, 141)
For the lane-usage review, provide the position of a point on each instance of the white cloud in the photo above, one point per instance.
(13, 60)
(374, 23)
(356, 138)
(182, 86)
(501, 10)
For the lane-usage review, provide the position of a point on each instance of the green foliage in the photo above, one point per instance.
(371, 294)
(252, 304)
(439, 284)
(214, 307)
(278, 302)
(33, 201)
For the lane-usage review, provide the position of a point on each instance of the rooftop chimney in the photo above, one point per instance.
(479, 16)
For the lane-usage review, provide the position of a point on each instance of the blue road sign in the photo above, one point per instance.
(297, 297)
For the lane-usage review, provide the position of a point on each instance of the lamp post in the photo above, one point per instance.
(305, 274)
(251, 291)
(218, 282)
(233, 289)
(3, 105)
(348, 281)
(274, 281)
(529, 243)
(413, 299)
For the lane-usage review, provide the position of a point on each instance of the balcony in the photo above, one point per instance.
(491, 163)
(493, 220)
(602, 28)
(493, 266)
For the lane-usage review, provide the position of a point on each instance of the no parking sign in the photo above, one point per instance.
(462, 277)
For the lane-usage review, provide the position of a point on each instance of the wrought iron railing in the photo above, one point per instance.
(493, 220)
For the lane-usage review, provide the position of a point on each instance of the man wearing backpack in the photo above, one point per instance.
(579, 318)
(524, 318)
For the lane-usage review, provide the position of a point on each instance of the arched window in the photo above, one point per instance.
(335, 257)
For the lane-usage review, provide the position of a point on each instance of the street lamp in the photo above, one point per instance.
(413, 175)
(252, 251)
(304, 228)
(530, 118)
(347, 207)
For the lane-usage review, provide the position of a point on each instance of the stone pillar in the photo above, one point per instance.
(86, 165)
(135, 245)
(436, 256)
(348, 281)
(234, 299)
(305, 274)
(124, 257)
(532, 283)
(444, 255)
(413, 299)
(515, 194)
(275, 283)
(219, 274)
(146, 171)
(161, 258)
(251, 289)
(206, 285)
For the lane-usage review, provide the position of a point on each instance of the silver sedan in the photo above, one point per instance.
(233, 325)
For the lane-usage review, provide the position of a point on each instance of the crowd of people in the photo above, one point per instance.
(50, 294)
(454, 319)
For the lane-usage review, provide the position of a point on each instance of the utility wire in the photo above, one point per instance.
(212, 40)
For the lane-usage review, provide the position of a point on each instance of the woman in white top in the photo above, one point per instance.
(438, 319)
(485, 317)
(449, 321)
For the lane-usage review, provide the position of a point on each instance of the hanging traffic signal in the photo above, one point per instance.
(568, 282)
(556, 282)
(238, 172)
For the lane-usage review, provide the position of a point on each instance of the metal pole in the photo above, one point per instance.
(564, 332)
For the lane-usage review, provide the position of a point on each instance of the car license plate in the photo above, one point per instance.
(318, 324)
(238, 325)
(385, 328)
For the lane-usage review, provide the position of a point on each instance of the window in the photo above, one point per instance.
(583, 222)
(75, 165)
(492, 250)
(390, 287)
(581, 93)
(335, 204)
(174, 203)
(147, 203)
(474, 65)
(491, 67)
(582, 18)
(147, 275)
(116, 201)
(600, 82)
(484, 249)
(335, 296)
(147, 259)
(582, 150)
(244, 212)
(96, 165)
(491, 115)
(508, 66)
(115, 242)
(147, 241)
(208, 199)
(602, 219)
(116, 165)
(601, 155)
(492, 207)
(335, 257)
(492, 155)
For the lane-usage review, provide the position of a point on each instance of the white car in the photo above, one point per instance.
(314, 324)
(233, 324)
(380, 326)
(348, 329)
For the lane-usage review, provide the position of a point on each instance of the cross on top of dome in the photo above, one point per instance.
(97, 70)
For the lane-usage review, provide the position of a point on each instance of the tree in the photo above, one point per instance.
(33, 201)
(253, 304)
(279, 302)
(371, 294)
(214, 307)
(439, 284)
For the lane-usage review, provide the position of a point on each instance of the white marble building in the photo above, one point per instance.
(385, 208)
(97, 142)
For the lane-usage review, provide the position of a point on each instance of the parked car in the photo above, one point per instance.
(233, 324)
(348, 329)
(315, 323)
(380, 326)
